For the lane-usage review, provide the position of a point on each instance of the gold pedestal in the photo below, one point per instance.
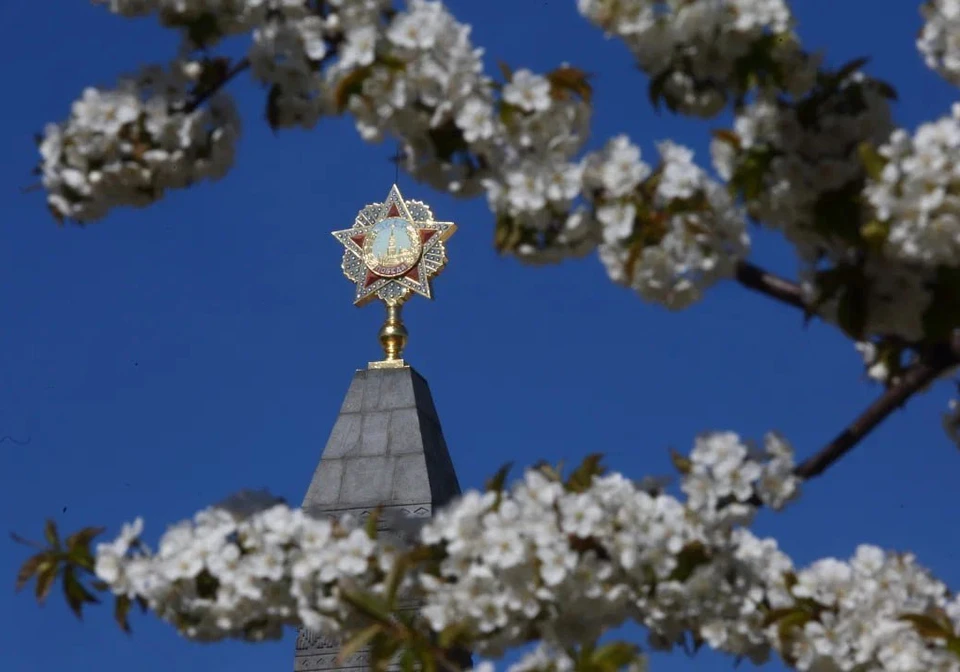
(393, 338)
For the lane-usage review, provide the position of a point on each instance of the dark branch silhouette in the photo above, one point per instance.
(14, 441)
(755, 278)
(932, 364)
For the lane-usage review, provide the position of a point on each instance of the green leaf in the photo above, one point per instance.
(508, 113)
(852, 310)
(691, 556)
(360, 640)
(927, 626)
(454, 634)
(349, 86)
(885, 89)
(851, 67)
(496, 483)
(368, 605)
(953, 646)
(582, 477)
(657, 85)
(373, 520)
(777, 615)
(942, 316)
(727, 136)
(505, 70)
(790, 580)
(29, 568)
(408, 661)
(837, 214)
(83, 537)
(384, 649)
(121, 610)
(46, 574)
(507, 234)
(569, 79)
(76, 593)
(680, 462)
(611, 657)
(875, 234)
(50, 533)
(427, 661)
(272, 112)
(873, 162)
(797, 619)
(448, 140)
(207, 585)
(204, 29)
(393, 580)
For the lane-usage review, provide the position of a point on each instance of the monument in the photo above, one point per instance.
(386, 448)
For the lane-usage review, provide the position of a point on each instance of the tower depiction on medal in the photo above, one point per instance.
(393, 251)
(386, 449)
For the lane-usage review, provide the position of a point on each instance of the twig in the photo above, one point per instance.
(914, 379)
(203, 96)
(759, 280)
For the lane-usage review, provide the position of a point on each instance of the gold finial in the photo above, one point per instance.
(393, 251)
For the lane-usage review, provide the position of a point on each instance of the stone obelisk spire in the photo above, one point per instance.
(386, 448)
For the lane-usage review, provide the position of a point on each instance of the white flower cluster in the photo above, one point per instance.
(669, 236)
(225, 576)
(916, 196)
(694, 50)
(787, 157)
(534, 179)
(414, 75)
(893, 298)
(128, 145)
(560, 564)
(210, 20)
(877, 368)
(939, 40)
(544, 658)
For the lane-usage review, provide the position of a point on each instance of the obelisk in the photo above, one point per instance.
(386, 448)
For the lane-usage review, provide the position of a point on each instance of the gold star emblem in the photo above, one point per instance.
(393, 251)
(395, 248)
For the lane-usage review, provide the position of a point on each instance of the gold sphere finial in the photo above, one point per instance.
(392, 252)
(393, 338)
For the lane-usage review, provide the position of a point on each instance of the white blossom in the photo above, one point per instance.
(559, 565)
(915, 195)
(939, 40)
(687, 249)
(528, 91)
(692, 48)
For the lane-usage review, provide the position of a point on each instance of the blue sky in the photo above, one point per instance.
(164, 358)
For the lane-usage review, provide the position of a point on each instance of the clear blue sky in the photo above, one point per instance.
(164, 358)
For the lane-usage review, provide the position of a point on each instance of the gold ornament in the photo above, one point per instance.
(392, 252)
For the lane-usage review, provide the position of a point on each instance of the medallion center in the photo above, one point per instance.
(392, 247)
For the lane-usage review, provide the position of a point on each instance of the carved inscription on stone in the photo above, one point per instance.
(318, 653)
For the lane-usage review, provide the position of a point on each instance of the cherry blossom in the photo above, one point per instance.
(558, 562)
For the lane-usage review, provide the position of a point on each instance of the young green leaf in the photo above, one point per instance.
(29, 568)
(121, 609)
(582, 477)
(360, 640)
(50, 533)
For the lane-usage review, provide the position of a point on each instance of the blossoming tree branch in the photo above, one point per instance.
(872, 210)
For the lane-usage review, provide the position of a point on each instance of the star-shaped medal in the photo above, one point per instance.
(394, 249)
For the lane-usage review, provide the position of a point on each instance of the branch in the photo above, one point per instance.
(759, 280)
(203, 95)
(914, 379)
